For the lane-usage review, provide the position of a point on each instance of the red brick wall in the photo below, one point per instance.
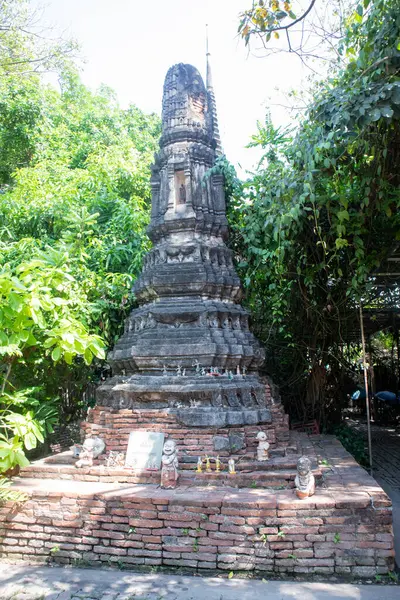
(206, 530)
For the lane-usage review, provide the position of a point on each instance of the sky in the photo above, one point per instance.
(130, 44)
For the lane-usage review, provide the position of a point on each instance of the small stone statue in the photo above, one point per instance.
(179, 370)
(263, 446)
(214, 322)
(244, 370)
(230, 375)
(184, 373)
(304, 480)
(164, 371)
(150, 321)
(203, 371)
(231, 466)
(169, 468)
(91, 449)
(199, 465)
(197, 365)
(208, 465)
(182, 194)
(238, 371)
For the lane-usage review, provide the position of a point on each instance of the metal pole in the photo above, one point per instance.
(365, 367)
(374, 403)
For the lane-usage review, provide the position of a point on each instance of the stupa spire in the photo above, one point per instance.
(213, 104)
(208, 71)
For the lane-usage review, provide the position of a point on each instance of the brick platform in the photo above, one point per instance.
(344, 529)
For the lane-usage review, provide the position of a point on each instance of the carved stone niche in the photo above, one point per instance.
(180, 187)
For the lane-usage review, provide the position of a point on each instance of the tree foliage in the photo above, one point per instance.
(74, 205)
(267, 18)
(321, 213)
(26, 45)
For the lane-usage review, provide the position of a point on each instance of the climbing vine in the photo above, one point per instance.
(321, 213)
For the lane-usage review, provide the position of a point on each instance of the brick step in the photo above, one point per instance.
(245, 464)
(273, 464)
(280, 476)
(281, 454)
(252, 479)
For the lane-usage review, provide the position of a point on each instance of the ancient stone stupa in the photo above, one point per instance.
(186, 369)
(188, 349)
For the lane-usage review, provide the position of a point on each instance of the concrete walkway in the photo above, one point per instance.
(21, 582)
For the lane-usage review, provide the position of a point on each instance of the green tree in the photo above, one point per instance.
(26, 46)
(322, 213)
(39, 301)
(74, 205)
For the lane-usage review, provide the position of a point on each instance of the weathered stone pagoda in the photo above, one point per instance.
(186, 368)
(188, 347)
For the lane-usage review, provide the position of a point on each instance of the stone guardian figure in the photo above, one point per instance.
(91, 449)
(169, 465)
(304, 481)
(263, 446)
(182, 194)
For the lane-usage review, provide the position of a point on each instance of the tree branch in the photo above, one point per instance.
(303, 16)
(5, 379)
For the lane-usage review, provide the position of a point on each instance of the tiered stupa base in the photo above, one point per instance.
(199, 429)
(239, 442)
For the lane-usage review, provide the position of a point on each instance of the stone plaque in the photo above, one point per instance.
(144, 450)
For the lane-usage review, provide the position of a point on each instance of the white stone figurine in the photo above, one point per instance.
(304, 480)
(197, 365)
(91, 449)
(169, 465)
(263, 446)
(231, 466)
